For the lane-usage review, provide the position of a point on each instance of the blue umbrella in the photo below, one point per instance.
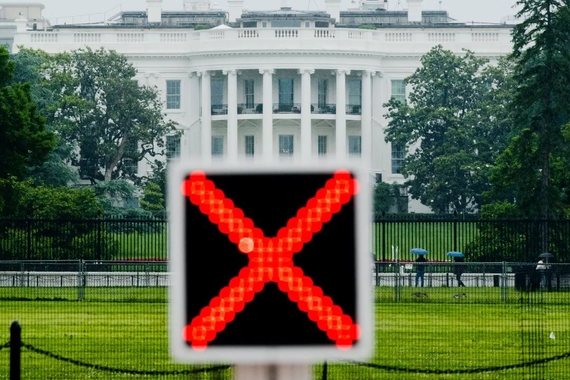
(418, 251)
(455, 254)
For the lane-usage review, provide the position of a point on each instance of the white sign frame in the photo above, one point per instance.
(183, 353)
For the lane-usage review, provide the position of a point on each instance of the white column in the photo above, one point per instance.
(267, 114)
(366, 122)
(306, 113)
(206, 135)
(232, 115)
(341, 147)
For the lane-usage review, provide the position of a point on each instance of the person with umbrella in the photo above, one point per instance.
(541, 267)
(458, 257)
(420, 267)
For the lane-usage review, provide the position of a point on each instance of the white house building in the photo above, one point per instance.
(281, 85)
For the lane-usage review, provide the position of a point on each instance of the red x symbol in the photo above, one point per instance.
(270, 260)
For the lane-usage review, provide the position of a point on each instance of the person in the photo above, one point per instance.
(541, 268)
(458, 270)
(420, 270)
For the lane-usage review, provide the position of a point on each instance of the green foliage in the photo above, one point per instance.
(103, 112)
(55, 171)
(153, 198)
(454, 128)
(24, 142)
(387, 198)
(202, 27)
(540, 109)
(57, 203)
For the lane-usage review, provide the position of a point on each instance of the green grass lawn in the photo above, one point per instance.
(126, 328)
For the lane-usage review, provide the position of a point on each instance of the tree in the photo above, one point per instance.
(24, 141)
(453, 128)
(153, 199)
(540, 108)
(388, 198)
(111, 120)
(55, 171)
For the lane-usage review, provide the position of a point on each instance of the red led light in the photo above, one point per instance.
(270, 260)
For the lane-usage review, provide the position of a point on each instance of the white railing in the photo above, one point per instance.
(325, 33)
(485, 37)
(130, 37)
(494, 39)
(86, 37)
(398, 37)
(248, 33)
(441, 37)
(173, 37)
(286, 33)
(42, 38)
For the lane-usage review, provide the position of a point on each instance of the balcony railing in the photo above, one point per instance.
(323, 108)
(255, 108)
(286, 107)
(219, 109)
(353, 109)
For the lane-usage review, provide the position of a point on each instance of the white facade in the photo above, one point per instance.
(279, 94)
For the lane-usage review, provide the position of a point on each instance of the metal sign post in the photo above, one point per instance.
(273, 372)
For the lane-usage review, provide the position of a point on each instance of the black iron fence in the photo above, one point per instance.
(479, 240)
(96, 239)
(85, 319)
(392, 239)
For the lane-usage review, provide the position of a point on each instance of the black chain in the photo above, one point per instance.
(5, 345)
(463, 371)
(125, 371)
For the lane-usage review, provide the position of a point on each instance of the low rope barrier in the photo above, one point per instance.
(324, 373)
(125, 371)
(463, 371)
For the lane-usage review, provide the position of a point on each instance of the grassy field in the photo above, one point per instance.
(127, 329)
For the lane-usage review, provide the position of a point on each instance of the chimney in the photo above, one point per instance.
(333, 9)
(154, 11)
(415, 11)
(235, 9)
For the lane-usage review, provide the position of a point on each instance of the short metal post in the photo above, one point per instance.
(15, 350)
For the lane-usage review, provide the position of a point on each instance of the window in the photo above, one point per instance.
(173, 94)
(249, 146)
(354, 147)
(285, 94)
(249, 93)
(399, 90)
(398, 155)
(217, 94)
(323, 89)
(264, 24)
(307, 24)
(322, 145)
(285, 145)
(217, 146)
(354, 96)
(172, 147)
(249, 24)
(286, 23)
